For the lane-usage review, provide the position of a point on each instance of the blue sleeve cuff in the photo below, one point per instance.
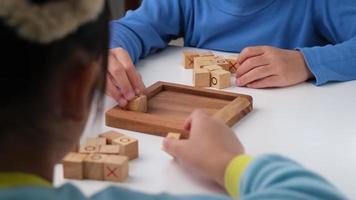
(313, 67)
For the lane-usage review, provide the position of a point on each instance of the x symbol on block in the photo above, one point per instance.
(111, 172)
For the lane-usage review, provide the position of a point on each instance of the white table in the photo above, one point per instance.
(315, 126)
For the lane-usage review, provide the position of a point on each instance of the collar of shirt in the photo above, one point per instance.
(241, 7)
(22, 179)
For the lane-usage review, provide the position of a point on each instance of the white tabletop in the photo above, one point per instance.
(315, 126)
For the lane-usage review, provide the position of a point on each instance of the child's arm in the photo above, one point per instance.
(335, 21)
(263, 67)
(215, 151)
(149, 28)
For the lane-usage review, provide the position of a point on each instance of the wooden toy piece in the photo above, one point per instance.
(211, 68)
(73, 166)
(116, 168)
(200, 62)
(94, 166)
(188, 59)
(223, 63)
(206, 54)
(220, 79)
(110, 136)
(139, 104)
(95, 141)
(110, 149)
(89, 148)
(176, 136)
(232, 112)
(128, 146)
(201, 78)
(233, 62)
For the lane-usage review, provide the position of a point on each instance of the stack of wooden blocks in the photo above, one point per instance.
(102, 158)
(210, 70)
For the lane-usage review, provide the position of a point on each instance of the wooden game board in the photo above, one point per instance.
(170, 104)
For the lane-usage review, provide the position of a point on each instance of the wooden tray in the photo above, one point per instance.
(170, 104)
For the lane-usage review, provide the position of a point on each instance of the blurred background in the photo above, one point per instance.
(119, 7)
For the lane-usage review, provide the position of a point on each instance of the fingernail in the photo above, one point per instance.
(130, 95)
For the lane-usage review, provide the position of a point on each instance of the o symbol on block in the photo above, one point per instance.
(90, 148)
(96, 157)
(214, 81)
(125, 140)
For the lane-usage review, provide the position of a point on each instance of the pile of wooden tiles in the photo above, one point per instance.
(103, 158)
(210, 70)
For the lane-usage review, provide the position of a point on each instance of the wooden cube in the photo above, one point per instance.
(220, 79)
(176, 136)
(116, 168)
(73, 166)
(95, 141)
(89, 148)
(139, 104)
(111, 135)
(201, 78)
(200, 62)
(128, 146)
(110, 149)
(188, 59)
(206, 54)
(233, 63)
(223, 63)
(94, 166)
(211, 68)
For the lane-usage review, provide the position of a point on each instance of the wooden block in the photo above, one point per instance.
(201, 78)
(220, 79)
(188, 59)
(95, 141)
(206, 54)
(73, 166)
(116, 168)
(211, 68)
(233, 63)
(89, 148)
(128, 146)
(110, 149)
(139, 104)
(200, 62)
(174, 135)
(234, 111)
(110, 136)
(223, 63)
(94, 166)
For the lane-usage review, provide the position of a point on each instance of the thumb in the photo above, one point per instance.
(173, 146)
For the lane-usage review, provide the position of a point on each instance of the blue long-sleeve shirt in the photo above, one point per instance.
(323, 30)
(266, 177)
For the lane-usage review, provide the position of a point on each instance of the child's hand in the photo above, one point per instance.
(264, 67)
(122, 74)
(209, 149)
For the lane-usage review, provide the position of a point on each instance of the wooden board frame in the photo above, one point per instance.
(239, 105)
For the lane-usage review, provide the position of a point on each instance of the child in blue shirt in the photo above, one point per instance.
(282, 42)
(46, 100)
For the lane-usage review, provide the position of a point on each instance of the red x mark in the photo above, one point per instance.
(111, 172)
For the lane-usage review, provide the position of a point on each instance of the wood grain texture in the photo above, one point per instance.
(73, 166)
(170, 104)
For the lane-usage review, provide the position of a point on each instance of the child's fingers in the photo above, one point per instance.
(134, 77)
(250, 52)
(254, 75)
(250, 64)
(188, 123)
(174, 147)
(118, 72)
(268, 82)
(114, 92)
